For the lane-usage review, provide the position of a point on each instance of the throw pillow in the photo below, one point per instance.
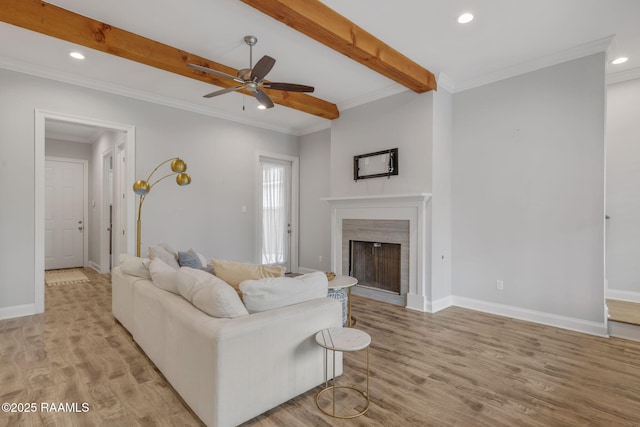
(135, 266)
(169, 258)
(163, 276)
(235, 272)
(209, 293)
(275, 292)
(189, 259)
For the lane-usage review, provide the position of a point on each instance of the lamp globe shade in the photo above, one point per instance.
(178, 165)
(141, 187)
(183, 179)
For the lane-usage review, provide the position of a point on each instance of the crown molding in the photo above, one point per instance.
(445, 82)
(601, 45)
(312, 129)
(371, 96)
(623, 76)
(21, 67)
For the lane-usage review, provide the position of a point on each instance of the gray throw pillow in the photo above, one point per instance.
(189, 259)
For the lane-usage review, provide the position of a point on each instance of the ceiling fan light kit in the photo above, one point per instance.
(252, 78)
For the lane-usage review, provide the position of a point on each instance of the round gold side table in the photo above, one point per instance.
(342, 339)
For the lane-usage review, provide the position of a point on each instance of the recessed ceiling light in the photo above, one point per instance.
(261, 107)
(465, 18)
(76, 55)
(620, 60)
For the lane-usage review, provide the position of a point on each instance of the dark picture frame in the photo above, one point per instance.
(376, 165)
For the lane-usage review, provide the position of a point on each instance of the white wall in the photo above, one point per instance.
(528, 193)
(67, 149)
(98, 237)
(403, 121)
(315, 214)
(623, 190)
(207, 215)
(441, 200)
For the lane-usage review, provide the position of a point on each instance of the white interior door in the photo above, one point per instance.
(64, 214)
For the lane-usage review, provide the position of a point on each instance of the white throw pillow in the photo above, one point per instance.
(163, 276)
(275, 292)
(209, 293)
(169, 258)
(135, 266)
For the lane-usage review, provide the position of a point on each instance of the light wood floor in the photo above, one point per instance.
(453, 368)
(624, 311)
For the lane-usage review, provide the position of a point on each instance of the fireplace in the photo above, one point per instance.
(376, 252)
(350, 215)
(376, 265)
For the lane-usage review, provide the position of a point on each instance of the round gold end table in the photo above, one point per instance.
(342, 339)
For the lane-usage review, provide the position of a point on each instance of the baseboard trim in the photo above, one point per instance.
(624, 330)
(17, 311)
(441, 304)
(304, 270)
(623, 295)
(563, 322)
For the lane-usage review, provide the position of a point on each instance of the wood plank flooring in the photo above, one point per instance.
(624, 311)
(453, 368)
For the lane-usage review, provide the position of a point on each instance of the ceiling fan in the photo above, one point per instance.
(252, 78)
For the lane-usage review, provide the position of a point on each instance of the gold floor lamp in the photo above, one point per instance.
(142, 187)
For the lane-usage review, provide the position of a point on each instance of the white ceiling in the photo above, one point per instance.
(506, 37)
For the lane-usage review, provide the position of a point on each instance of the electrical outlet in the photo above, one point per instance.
(499, 285)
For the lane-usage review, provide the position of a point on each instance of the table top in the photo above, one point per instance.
(343, 339)
(341, 282)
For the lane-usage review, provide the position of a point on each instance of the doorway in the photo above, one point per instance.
(94, 202)
(277, 214)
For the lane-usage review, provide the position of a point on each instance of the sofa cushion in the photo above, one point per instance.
(157, 251)
(275, 292)
(209, 293)
(163, 276)
(134, 266)
(235, 272)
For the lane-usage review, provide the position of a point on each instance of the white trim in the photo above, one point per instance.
(18, 310)
(623, 76)
(564, 322)
(104, 232)
(581, 51)
(12, 65)
(441, 304)
(40, 117)
(631, 296)
(95, 266)
(85, 204)
(445, 82)
(295, 208)
(623, 330)
(372, 96)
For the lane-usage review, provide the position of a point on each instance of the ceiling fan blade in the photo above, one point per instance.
(263, 98)
(223, 91)
(262, 68)
(217, 73)
(290, 87)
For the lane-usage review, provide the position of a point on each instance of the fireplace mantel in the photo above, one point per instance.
(411, 207)
(382, 198)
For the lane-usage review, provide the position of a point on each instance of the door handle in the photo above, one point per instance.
(80, 228)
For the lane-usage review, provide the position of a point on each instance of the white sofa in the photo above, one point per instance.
(227, 370)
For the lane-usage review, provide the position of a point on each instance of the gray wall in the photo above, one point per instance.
(528, 191)
(207, 215)
(403, 121)
(315, 214)
(623, 190)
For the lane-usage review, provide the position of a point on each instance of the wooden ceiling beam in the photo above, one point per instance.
(323, 24)
(51, 20)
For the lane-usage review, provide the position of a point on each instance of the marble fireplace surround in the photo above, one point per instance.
(410, 207)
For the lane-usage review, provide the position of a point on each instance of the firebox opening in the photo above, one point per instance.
(376, 265)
